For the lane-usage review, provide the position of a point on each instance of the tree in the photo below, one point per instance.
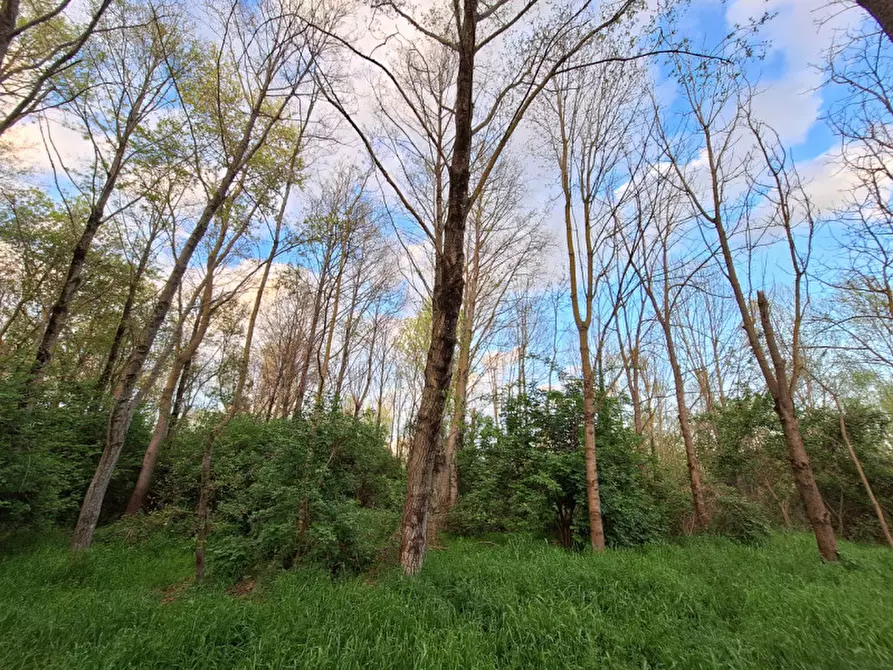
(255, 88)
(665, 274)
(38, 43)
(464, 31)
(587, 136)
(127, 75)
(717, 114)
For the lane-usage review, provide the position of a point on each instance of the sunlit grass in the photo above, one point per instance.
(707, 603)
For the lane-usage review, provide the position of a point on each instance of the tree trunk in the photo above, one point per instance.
(311, 337)
(115, 350)
(816, 511)
(166, 404)
(446, 303)
(122, 411)
(878, 510)
(694, 467)
(882, 12)
(593, 498)
(59, 311)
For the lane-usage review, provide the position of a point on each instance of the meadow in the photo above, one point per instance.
(701, 603)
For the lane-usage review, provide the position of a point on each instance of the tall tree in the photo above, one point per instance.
(717, 114)
(127, 76)
(463, 29)
(256, 76)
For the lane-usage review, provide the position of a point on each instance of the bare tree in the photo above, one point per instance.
(588, 134)
(463, 30)
(718, 118)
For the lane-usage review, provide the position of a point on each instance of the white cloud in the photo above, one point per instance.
(800, 33)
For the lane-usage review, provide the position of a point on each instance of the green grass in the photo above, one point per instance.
(704, 604)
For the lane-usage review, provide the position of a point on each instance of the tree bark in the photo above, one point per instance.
(882, 12)
(593, 497)
(166, 403)
(801, 466)
(446, 303)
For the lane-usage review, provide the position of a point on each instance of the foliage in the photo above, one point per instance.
(737, 518)
(48, 454)
(527, 473)
(746, 455)
(323, 488)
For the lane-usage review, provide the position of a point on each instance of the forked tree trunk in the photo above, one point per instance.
(446, 303)
(801, 466)
(446, 475)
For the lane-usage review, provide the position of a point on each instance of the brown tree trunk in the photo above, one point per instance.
(122, 411)
(882, 12)
(702, 517)
(446, 303)
(166, 403)
(9, 15)
(593, 497)
(779, 387)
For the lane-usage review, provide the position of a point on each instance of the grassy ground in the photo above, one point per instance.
(705, 604)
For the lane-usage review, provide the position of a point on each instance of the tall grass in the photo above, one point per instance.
(704, 604)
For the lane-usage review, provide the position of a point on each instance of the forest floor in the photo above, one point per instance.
(700, 604)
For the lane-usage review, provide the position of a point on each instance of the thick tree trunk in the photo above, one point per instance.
(446, 475)
(882, 12)
(446, 303)
(778, 384)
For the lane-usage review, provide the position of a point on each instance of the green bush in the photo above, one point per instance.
(737, 518)
(527, 474)
(323, 489)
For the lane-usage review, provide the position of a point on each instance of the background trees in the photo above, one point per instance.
(282, 267)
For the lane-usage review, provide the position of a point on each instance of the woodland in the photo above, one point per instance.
(492, 333)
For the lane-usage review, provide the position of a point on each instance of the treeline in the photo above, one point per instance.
(215, 318)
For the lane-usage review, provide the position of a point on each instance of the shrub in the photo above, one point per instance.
(737, 518)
